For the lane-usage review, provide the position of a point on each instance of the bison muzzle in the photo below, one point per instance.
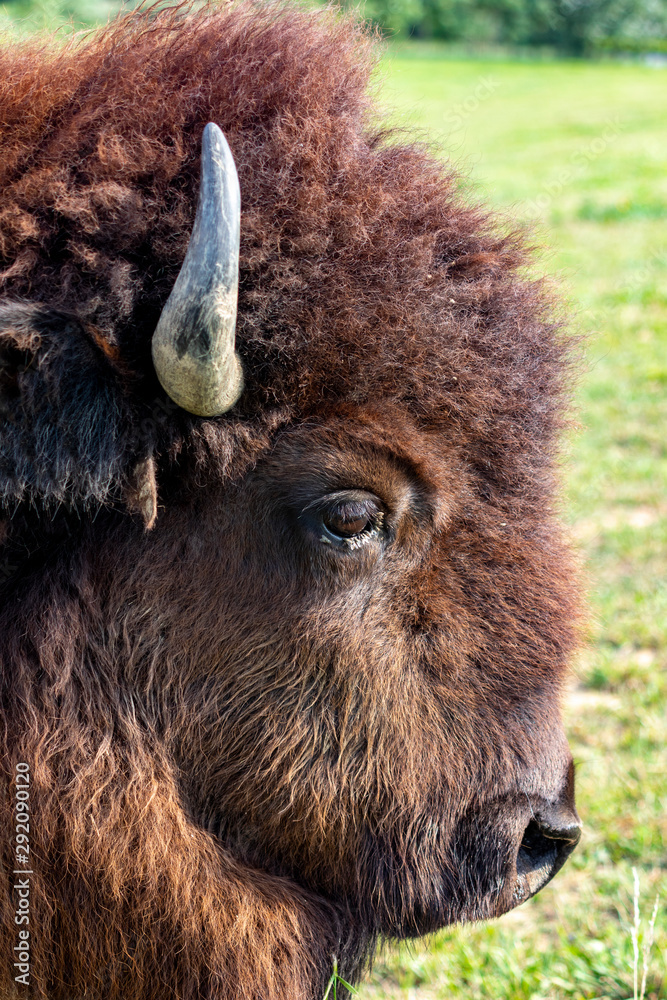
(286, 612)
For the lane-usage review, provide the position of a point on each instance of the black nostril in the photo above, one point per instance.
(551, 835)
(568, 832)
(544, 849)
(541, 838)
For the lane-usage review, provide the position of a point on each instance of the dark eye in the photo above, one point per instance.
(347, 518)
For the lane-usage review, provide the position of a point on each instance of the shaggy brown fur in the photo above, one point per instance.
(250, 751)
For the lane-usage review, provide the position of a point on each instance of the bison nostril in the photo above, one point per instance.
(543, 851)
(568, 833)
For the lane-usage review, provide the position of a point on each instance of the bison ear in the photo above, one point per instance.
(64, 418)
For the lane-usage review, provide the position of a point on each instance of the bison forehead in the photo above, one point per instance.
(364, 274)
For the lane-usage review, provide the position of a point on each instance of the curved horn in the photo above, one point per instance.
(193, 343)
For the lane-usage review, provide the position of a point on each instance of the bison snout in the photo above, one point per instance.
(551, 834)
(544, 849)
(545, 838)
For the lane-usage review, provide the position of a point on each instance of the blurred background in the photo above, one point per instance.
(556, 111)
(572, 27)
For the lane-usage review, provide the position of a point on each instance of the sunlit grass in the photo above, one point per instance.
(581, 148)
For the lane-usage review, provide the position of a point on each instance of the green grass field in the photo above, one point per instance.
(581, 147)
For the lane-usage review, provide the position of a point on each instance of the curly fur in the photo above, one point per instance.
(249, 755)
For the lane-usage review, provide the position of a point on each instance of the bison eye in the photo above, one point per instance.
(346, 519)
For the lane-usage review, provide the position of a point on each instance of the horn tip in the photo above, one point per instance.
(195, 384)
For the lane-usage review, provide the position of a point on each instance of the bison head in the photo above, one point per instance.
(283, 646)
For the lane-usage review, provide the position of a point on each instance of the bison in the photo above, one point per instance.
(286, 611)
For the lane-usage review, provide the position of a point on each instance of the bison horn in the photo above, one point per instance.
(193, 343)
